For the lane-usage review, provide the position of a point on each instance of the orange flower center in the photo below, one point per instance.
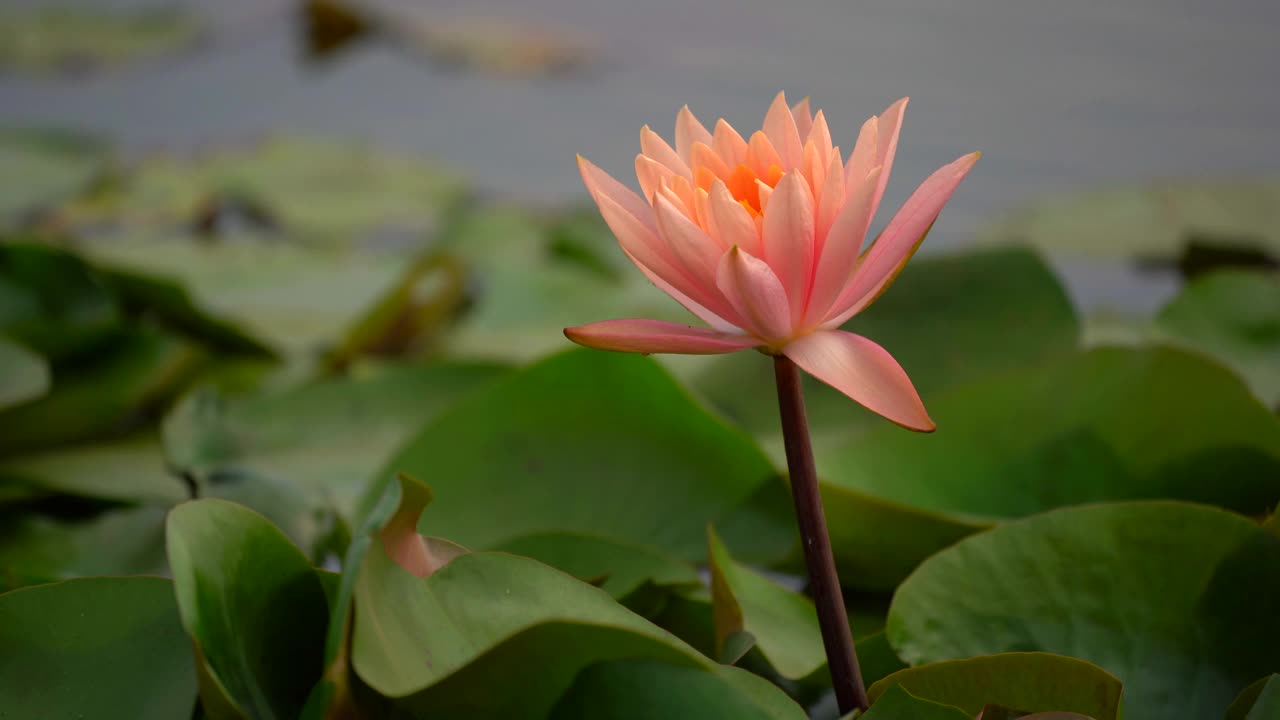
(742, 184)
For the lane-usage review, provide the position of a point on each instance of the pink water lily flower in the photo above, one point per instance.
(761, 238)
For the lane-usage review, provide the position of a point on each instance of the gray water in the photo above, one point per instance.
(1059, 96)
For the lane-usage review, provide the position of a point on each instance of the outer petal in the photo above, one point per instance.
(840, 251)
(688, 132)
(804, 118)
(780, 127)
(656, 148)
(863, 157)
(887, 145)
(788, 238)
(755, 292)
(600, 183)
(656, 336)
(865, 372)
(651, 175)
(729, 144)
(900, 239)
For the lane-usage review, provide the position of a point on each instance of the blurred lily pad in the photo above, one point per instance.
(329, 437)
(1024, 681)
(946, 319)
(252, 605)
(308, 189)
(603, 444)
(1150, 222)
(1177, 600)
(1106, 424)
(1259, 701)
(24, 375)
(895, 703)
(78, 38)
(42, 167)
(1234, 316)
(64, 644)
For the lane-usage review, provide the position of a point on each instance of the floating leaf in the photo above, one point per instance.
(24, 375)
(782, 624)
(81, 648)
(1107, 424)
(947, 320)
(253, 606)
(1259, 701)
(1150, 221)
(1027, 682)
(895, 703)
(67, 39)
(1234, 316)
(42, 167)
(639, 689)
(618, 568)
(598, 443)
(1177, 600)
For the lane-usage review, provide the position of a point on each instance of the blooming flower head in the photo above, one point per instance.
(761, 238)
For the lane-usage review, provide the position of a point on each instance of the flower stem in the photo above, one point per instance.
(842, 659)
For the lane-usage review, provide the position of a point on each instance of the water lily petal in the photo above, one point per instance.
(652, 144)
(780, 127)
(890, 127)
(651, 174)
(863, 157)
(696, 251)
(840, 249)
(656, 336)
(753, 290)
(788, 238)
(688, 132)
(728, 144)
(732, 221)
(804, 118)
(900, 239)
(865, 372)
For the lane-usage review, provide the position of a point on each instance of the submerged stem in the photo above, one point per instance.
(842, 659)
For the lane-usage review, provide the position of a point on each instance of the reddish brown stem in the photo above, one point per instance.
(842, 658)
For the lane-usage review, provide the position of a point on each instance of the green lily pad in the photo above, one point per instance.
(639, 689)
(1234, 316)
(1259, 701)
(618, 568)
(1176, 600)
(24, 375)
(507, 634)
(329, 437)
(138, 372)
(42, 167)
(949, 320)
(1028, 682)
(782, 624)
(604, 444)
(66, 39)
(315, 190)
(895, 703)
(252, 605)
(131, 470)
(1151, 221)
(129, 541)
(84, 647)
(54, 302)
(1106, 424)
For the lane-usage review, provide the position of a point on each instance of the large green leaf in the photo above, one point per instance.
(131, 470)
(54, 302)
(1177, 600)
(253, 606)
(597, 443)
(138, 372)
(507, 635)
(619, 568)
(1235, 316)
(97, 647)
(1259, 701)
(24, 375)
(1107, 424)
(329, 437)
(1149, 221)
(782, 624)
(641, 689)
(895, 703)
(42, 167)
(128, 541)
(948, 320)
(1027, 682)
